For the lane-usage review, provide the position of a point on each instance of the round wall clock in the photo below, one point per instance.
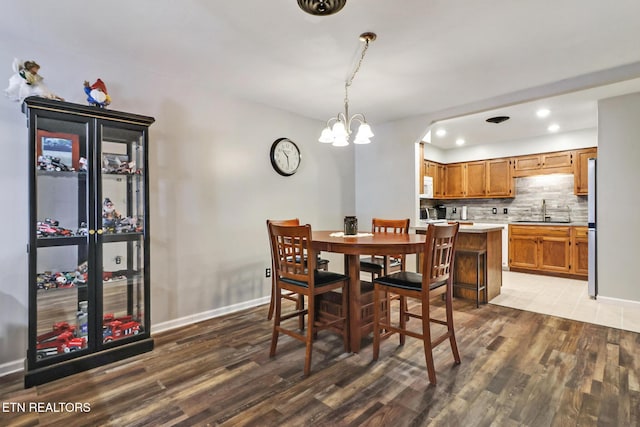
(285, 156)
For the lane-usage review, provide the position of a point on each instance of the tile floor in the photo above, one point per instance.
(566, 298)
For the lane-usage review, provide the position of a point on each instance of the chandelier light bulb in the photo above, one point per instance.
(327, 136)
(339, 131)
(365, 131)
(340, 141)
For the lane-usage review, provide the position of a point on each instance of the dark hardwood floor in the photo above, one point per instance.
(518, 369)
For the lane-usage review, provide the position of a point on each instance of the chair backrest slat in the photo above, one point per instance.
(291, 247)
(397, 226)
(439, 254)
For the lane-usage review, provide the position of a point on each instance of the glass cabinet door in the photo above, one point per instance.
(123, 218)
(59, 246)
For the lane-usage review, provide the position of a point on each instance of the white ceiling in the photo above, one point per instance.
(430, 55)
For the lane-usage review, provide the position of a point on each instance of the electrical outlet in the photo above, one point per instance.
(267, 272)
(454, 210)
(494, 211)
(505, 211)
(118, 259)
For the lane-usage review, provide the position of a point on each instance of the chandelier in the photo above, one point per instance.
(338, 128)
(321, 7)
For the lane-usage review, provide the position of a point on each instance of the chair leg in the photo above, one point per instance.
(273, 296)
(345, 324)
(300, 307)
(450, 330)
(426, 341)
(403, 318)
(376, 322)
(309, 337)
(276, 323)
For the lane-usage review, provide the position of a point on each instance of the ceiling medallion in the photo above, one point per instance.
(321, 7)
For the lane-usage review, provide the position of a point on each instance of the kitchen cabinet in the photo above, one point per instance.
(581, 178)
(500, 182)
(465, 180)
(439, 180)
(545, 163)
(560, 250)
(88, 251)
(476, 179)
(580, 251)
(435, 171)
(455, 180)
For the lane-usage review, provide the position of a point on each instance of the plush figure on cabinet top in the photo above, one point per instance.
(97, 93)
(27, 82)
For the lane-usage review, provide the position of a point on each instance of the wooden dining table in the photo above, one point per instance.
(353, 247)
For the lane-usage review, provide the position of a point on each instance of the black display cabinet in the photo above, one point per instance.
(89, 292)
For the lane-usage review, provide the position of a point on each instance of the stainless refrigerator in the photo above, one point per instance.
(592, 231)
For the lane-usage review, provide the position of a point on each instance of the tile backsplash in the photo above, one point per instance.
(556, 190)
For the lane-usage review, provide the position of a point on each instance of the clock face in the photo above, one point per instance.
(285, 156)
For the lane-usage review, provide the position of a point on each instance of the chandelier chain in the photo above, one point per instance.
(349, 81)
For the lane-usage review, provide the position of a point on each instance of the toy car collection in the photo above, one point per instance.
(49, 163)
(60, 340)
(51, 228)
(114, 328)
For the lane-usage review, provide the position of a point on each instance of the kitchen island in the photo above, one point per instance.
(475, 237)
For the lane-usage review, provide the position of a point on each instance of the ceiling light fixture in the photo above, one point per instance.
(553, 128)
(498, 119)
(321, 7)
(543, 112)
(460, 141)
(441, 132)
(338, 128)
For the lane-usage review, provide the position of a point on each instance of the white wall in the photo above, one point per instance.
(618, 196)
(541, 144)
(211, 187)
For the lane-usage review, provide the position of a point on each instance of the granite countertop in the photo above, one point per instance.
(476, 228)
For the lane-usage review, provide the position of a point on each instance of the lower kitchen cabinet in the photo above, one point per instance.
(548, 250)
(580, 247)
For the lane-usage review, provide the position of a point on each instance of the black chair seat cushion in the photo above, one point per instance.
(321, 278)
(378, 263)
(406, 280)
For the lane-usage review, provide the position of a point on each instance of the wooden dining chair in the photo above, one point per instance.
(382, 265)
(321, 264)
(290, 246)
(436, 279)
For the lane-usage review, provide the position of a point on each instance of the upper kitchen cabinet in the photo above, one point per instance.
(500, 181)
(476, 179)
(545, 163)
(455, 180)
(437, 172)
(580, 180)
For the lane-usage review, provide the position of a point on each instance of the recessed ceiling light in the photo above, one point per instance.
(441, 132)
(554, 127)
(543, 112)
(459, 141)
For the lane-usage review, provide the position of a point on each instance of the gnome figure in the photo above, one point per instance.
(97, 94)
(109, 214)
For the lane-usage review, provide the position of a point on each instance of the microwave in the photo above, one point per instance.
(427, 188)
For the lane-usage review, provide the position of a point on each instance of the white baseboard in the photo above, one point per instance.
(619, 302)
(206, 315)
(18, 365)
(11, 367)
